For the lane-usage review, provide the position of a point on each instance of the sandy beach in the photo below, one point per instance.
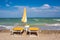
(43, 35)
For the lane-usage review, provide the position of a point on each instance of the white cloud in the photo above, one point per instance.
(45, 9)
(20, 6)
(45, 6)
(33, 8)
(7, 5)
(56, 7)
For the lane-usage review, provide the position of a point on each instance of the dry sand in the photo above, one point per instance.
(44, 35)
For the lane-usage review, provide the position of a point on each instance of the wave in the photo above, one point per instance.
(7, 27)
(36, 19)
(57, 19)
(56, 24)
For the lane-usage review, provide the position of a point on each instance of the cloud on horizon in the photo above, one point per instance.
(45, 10)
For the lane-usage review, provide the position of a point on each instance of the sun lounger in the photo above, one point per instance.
(17, 30)
(33, 30)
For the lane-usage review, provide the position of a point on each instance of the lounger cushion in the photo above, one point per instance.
(34, 28)
(18, 28)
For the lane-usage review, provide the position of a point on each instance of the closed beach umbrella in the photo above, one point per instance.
(24, 17)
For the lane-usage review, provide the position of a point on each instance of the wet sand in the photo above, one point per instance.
(43, 35)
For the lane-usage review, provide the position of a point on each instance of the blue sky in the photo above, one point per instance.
(35, 8)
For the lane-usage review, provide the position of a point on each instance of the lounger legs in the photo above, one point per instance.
(12, 32)
(35, 33)
(27, 32)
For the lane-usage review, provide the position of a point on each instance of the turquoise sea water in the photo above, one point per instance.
(32, 21)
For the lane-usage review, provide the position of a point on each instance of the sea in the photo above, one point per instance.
(38, 22)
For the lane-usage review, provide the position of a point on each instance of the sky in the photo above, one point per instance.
(35, 8)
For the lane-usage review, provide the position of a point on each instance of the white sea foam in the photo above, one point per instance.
(56, 24)
(57, 19)
(8, 27)
(36, 19)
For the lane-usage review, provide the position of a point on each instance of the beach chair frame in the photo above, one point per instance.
(29, 32)
(17, 32)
